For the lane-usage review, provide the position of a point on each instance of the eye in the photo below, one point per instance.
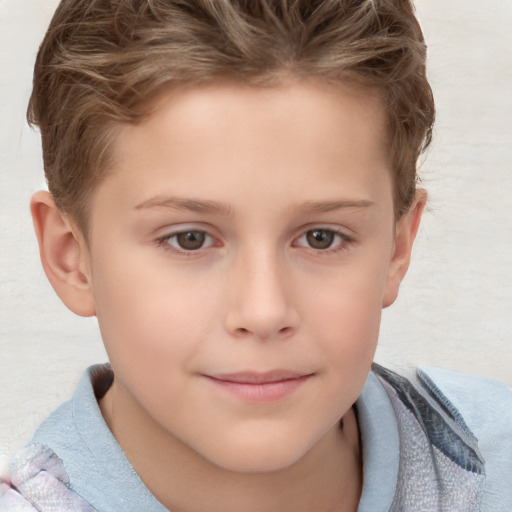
(322, 239)
(191, 240)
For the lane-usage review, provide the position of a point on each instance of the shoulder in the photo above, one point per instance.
(485, 406)
(63, 429)
(43, 473)
(38, 481)
(75, 454)
(455, 435)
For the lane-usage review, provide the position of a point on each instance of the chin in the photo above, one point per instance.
(258, 455)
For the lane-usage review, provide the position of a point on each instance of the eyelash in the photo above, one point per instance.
(343, 244)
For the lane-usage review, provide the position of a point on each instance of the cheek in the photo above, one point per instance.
(147, 314)
(347, 310)
(153, 330)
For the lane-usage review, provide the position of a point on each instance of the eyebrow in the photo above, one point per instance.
(328, 206)
(214, 207)
(193, 205)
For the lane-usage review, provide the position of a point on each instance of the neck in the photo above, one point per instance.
(328, 478)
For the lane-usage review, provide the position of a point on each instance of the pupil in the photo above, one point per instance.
(320, 238)
(191, 240)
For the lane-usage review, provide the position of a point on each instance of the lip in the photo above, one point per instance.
(260, 387)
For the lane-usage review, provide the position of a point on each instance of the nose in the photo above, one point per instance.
(261, 299)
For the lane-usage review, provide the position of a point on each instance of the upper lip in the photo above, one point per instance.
(252, 377)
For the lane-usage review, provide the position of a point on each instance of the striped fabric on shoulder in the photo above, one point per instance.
(440, 466)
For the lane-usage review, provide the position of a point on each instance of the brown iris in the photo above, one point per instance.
(320, 238)
(191, 240)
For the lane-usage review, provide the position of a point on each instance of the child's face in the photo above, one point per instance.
(244, 236)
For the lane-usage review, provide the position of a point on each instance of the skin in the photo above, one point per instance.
(285, 195)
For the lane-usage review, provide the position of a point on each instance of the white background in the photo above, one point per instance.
(455, 307)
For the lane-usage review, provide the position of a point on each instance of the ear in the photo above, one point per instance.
(64, 254)
(405, 233)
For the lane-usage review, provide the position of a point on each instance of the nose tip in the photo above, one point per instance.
(263, 334)
(262, 305)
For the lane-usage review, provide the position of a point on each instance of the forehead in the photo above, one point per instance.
(314, 108)
(305, 100)
(223, 137)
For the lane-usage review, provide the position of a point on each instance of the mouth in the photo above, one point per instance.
(260, 387)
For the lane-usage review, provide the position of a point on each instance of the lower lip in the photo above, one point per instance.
(263, 391)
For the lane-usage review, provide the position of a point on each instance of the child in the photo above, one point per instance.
(233, 195)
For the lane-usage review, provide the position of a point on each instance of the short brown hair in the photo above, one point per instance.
(102, 60)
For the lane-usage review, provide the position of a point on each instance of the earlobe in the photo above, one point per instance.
(64, 254)
(406, 230)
